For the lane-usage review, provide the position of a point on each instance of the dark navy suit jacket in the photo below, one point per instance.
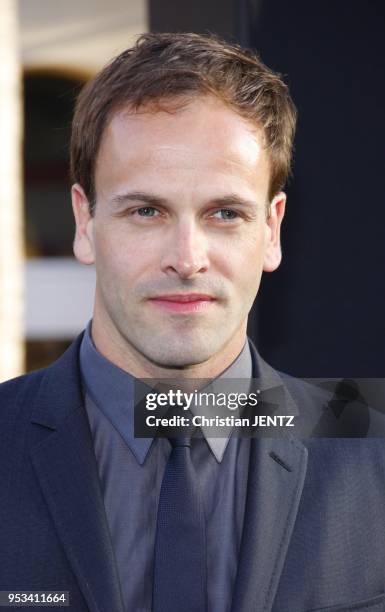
(314, 529)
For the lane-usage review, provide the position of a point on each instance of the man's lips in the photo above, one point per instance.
(183, 297)
(183, 303)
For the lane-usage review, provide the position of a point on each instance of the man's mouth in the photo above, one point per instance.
(183, 303)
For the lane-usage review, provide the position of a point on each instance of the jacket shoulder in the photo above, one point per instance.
(20, 382)
(16, 392)
(19, 393)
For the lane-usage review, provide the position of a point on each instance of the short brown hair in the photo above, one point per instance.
(164, 66)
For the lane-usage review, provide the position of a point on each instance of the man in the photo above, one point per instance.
(180, 151)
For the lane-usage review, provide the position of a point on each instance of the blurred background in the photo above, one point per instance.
(322, 314)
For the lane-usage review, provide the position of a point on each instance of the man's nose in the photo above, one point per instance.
(185, 251)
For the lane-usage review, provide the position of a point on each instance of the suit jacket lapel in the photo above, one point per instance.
(61, 450)
(276, 477)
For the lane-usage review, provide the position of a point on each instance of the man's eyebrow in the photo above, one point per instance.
(234, 199)
(135, 196)
(231, 199)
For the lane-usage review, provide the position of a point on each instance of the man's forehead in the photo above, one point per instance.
(202, 129)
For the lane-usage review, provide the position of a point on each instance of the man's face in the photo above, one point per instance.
(181, 231)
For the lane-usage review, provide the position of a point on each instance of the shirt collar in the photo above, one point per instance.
(112, 390)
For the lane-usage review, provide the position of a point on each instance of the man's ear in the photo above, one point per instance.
(273, 253)
(83, 242)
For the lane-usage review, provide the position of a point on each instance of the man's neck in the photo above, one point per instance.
(117, 350)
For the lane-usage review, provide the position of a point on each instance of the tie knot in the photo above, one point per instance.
(180, 441)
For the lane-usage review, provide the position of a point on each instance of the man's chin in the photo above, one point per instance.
(178, 362)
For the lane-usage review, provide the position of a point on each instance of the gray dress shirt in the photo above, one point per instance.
(131, 471)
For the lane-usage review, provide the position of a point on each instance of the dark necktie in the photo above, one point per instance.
(180, 544)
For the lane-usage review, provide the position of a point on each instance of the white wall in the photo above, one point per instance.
(59, 294)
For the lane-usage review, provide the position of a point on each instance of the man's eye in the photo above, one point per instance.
(226, 214)
(146, 211)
